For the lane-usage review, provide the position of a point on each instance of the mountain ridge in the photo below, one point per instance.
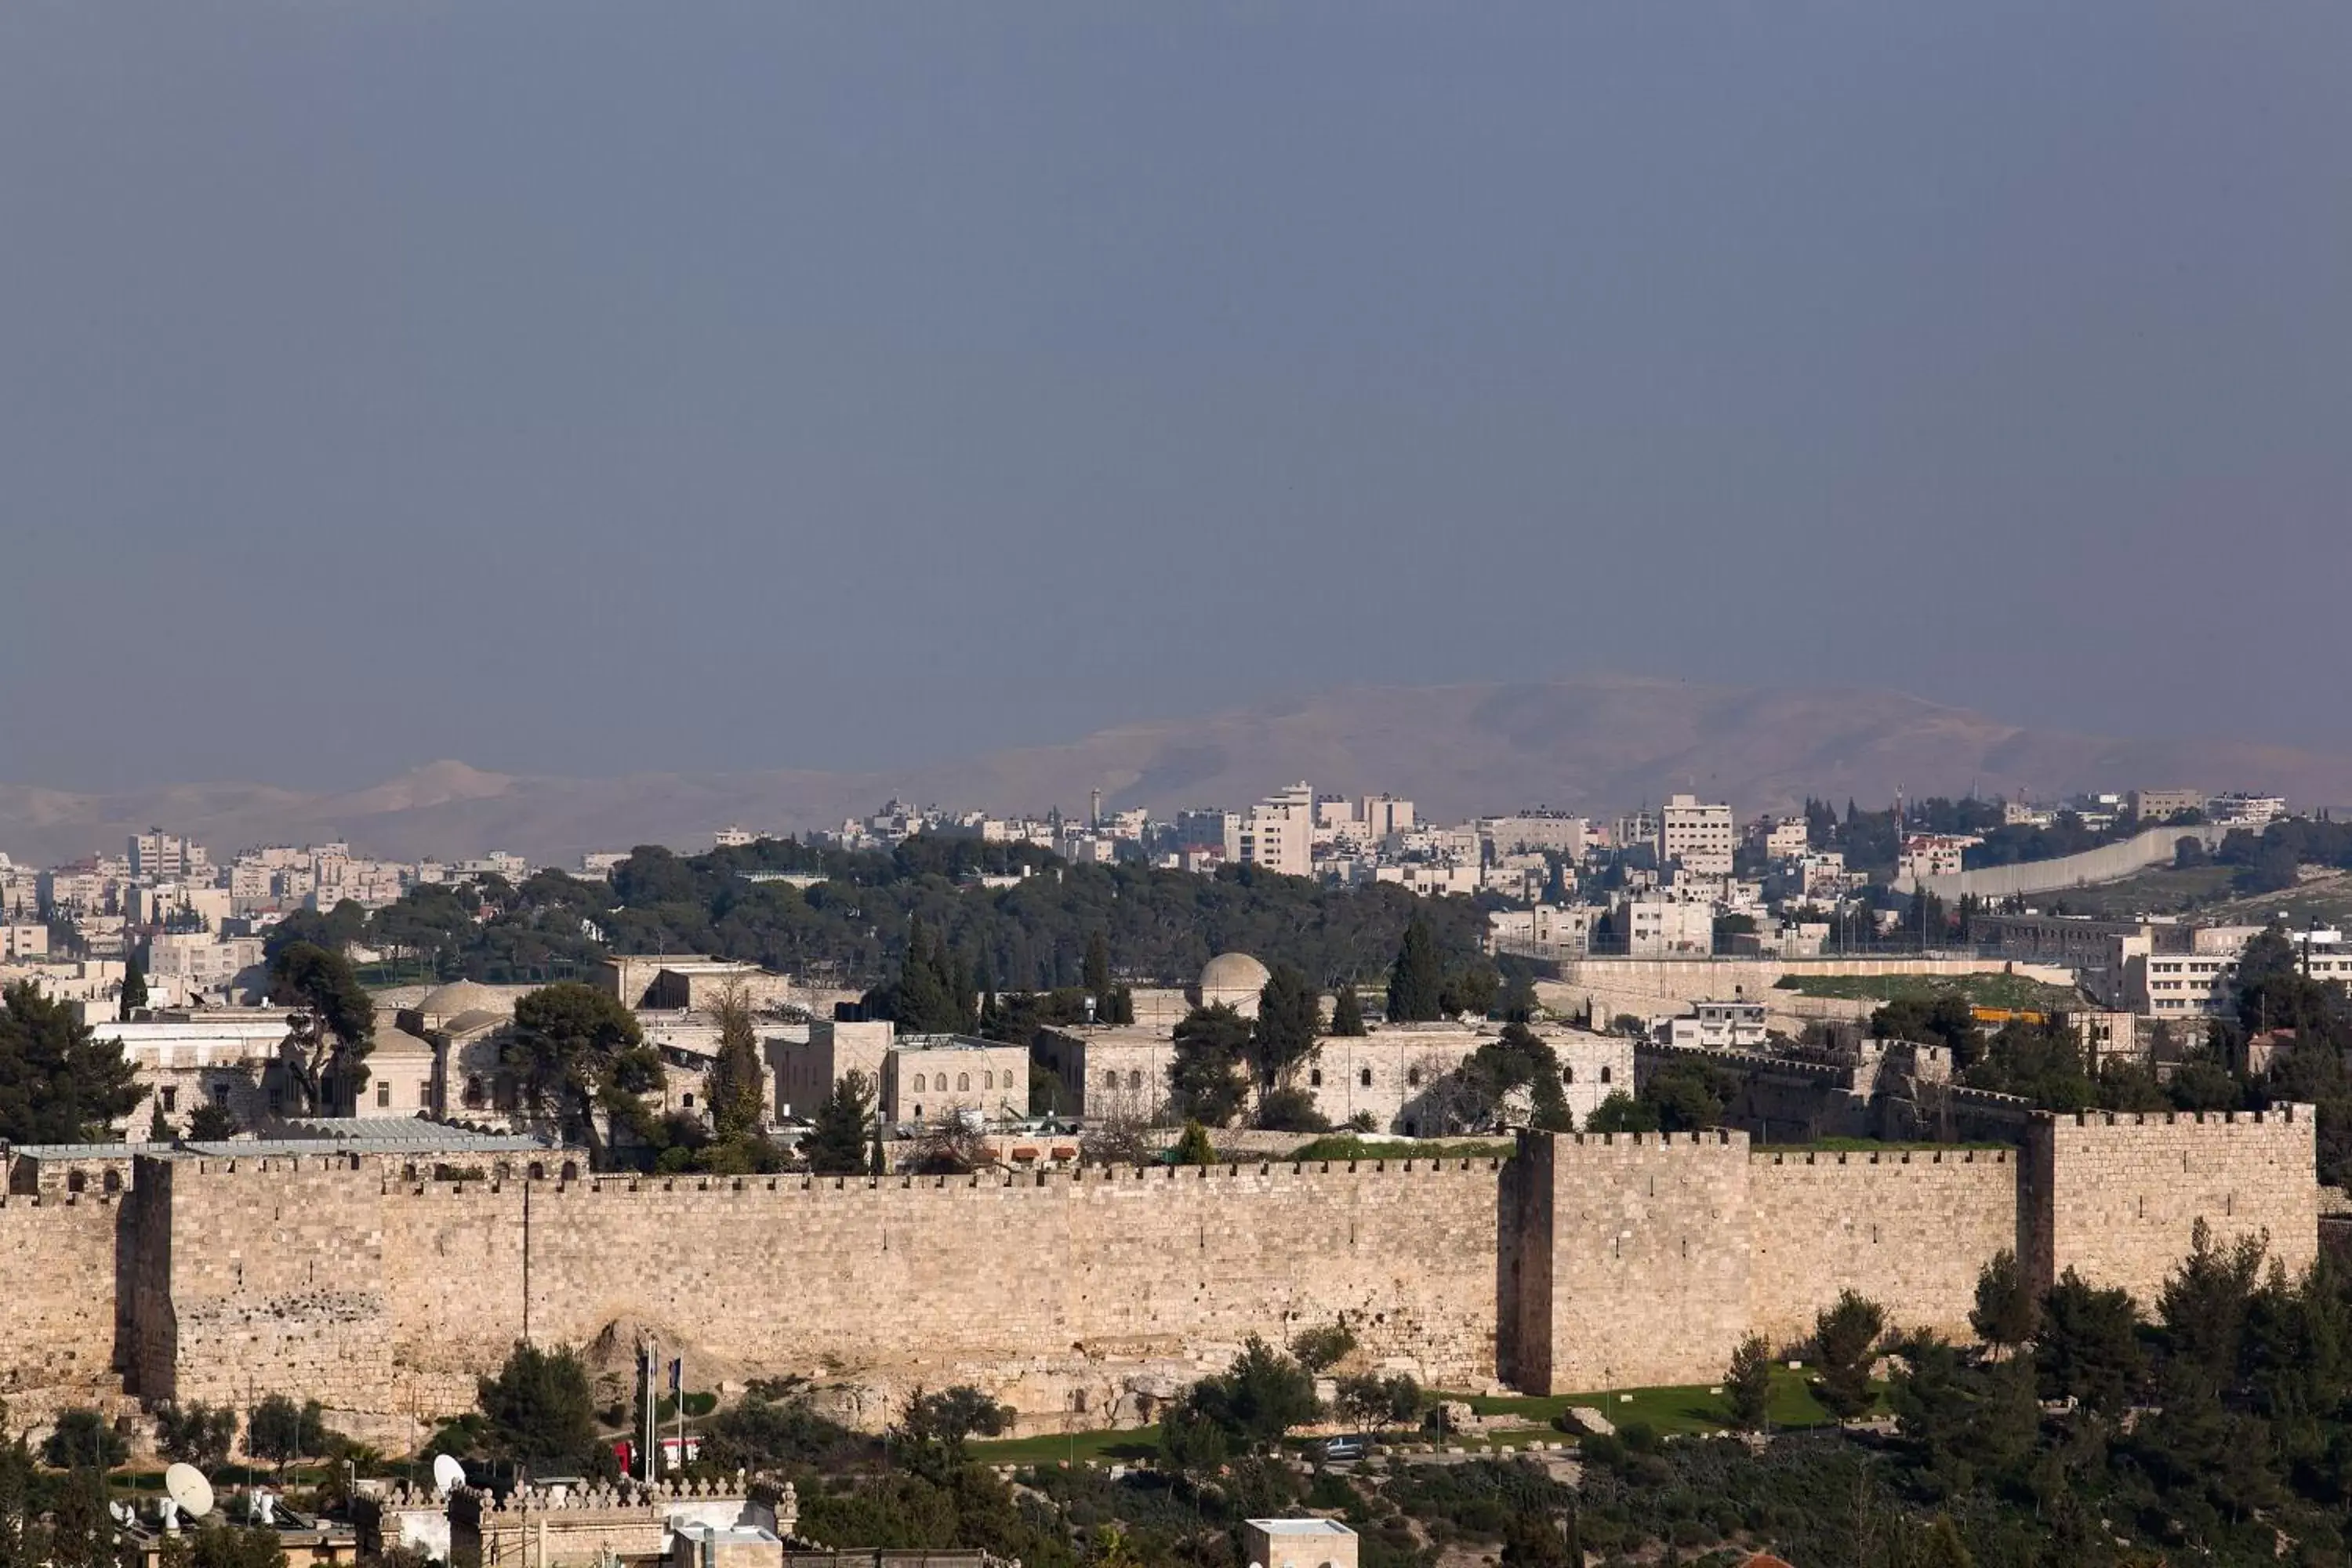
(1593, 744)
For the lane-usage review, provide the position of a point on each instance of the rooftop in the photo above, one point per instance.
(1300, 1526)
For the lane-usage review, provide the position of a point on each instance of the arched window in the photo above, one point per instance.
(1315, 1077)
(963, 1081)
(988, 1080)
(919, 1083)
(1364, 1077)
(918, 1113)
(77, 1180)
(1135, 1078)
(1412, 1077)
(1110, 1079)
(1604, 1075)
(474, 1093)
(571, 1170)
(113, 1179)
(1567, 1075)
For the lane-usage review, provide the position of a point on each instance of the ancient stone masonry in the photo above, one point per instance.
(1582, 1263)
(58, 1327)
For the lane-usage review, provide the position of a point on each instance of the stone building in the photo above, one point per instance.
(1297, 1543)
(935, 1078)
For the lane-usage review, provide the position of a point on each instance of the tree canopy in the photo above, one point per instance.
(59, 1083)
(334, 1030)
(575, 1052)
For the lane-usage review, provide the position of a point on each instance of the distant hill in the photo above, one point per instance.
(1597, 745)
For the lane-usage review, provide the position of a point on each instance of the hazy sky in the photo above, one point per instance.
(597, 387)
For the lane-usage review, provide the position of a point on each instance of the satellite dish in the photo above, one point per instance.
(186, 1485)
(448, 1475)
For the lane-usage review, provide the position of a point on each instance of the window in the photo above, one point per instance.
(964, 1082)
(918, 1113)
(1365, 1078)
(473, 1092)
(171, 1100)
(1412, 1077)
(1567, 1075)
(690, 1102)
(988, 1080)
(1110, 1081)
(1604, 1075)
(919, 1085)
(1315, 1077)
(424, 1095)
(383, 1092)
(220, 1095)
(1135, 1080)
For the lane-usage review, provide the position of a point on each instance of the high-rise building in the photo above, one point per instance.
(1279, 832)
(1698, 837)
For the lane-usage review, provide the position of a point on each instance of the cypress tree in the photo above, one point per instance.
(1348, 1012)
(1417, 980)
(1096, 973)
(134, 989)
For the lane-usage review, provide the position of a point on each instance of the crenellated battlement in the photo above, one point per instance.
(1925, 1158)
(2287, 1115)
(1254, 1173)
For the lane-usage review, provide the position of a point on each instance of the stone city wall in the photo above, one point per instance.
(1910, 1229)
(2123, 1192)
(1586, 1262)
(1014, 1282)
(57, 1304)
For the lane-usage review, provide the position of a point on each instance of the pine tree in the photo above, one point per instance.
(1417, 980)
(1348, 1012)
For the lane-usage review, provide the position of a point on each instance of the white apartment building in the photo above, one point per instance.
(1542, 930)
(1536, 830)
(1784, 838)
(1279, 832)
(24, 939)
(2238, 810)
(1698, 836)
(1933, 854)
(1430, 878)
(1716, 1026)
(156, 855)
(1653, 927)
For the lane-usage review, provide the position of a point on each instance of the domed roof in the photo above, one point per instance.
(1230, 972)
(461, 997)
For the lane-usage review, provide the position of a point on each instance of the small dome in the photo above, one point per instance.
(462, 996)
(1231, 972)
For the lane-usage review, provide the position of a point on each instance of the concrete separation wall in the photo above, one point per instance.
(2108, 863)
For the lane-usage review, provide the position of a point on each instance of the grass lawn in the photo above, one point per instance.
(1987, 990)
(1135, 1443)
(1663, 1410)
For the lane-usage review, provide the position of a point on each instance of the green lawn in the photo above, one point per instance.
(1987, 990)
(1663, 1410)
(1135, 1443)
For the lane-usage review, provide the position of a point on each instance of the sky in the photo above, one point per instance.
(594, 388)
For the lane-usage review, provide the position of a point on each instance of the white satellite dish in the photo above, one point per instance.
(186, 1485)
(448, 1475)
